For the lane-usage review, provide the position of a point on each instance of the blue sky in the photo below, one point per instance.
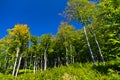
(40, 15)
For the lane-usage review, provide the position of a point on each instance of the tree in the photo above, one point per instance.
(34, 40)
(45, 41)
(4, 53)
(67, 34)
(83, 11)
(20, 35)
(109, 23)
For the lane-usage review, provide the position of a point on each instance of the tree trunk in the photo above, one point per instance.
(25, 64)
(59, 61)
(98, 46)
(15, 64)
(73, 60)
(55, 62)
(19, 64)
(34, 66)
(41, 62)
(30, 60)
(45, 59)
(66, 56)
(89, 46)
(71, 52)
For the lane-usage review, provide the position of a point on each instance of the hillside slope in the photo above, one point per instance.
(77, 71)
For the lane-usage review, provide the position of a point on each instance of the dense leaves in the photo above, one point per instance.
(99, 36)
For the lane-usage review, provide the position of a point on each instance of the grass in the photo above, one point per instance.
(77, 71)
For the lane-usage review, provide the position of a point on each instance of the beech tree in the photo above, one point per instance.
(67, 33)
(34, 40)
(4, 61)
(83, 11)
(108, 20)
(20, 35)
(45, 41)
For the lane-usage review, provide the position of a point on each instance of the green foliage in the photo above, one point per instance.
(81, 10)
(77, 71)
(68, 45)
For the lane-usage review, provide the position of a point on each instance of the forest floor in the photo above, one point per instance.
(76, 71)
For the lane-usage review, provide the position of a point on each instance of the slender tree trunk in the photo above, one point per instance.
(15, 64)
(45, 59)
(25, 64)
(41, 62)
(98, 46)
(71, 52)
(73, 60)
(19, 64)
(55, 62)
(30, 60)
(66, 56)
(34, 66)
(59, 62)
(89, 46)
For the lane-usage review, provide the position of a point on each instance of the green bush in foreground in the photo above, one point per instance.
(75, 71)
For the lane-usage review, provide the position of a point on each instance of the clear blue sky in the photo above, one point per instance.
(40, 15)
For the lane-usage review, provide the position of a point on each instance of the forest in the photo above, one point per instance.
(89, 53)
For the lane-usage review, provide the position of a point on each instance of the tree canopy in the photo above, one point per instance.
(98, 41)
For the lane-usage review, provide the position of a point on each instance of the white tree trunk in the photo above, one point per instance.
(55, 62)
(89, 46)
(34, 66)
(19, 64)
(59, 62)
(66, 56)
(98, 46)
(45, 59)
(30, 60)
(41, 62)
(25, 64)
(73, 60)
(71, 54)
(15, 64)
